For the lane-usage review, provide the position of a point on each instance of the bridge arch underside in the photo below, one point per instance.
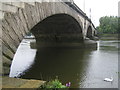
(57, 28)
(89, 32)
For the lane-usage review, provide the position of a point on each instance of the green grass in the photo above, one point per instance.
(109, 36)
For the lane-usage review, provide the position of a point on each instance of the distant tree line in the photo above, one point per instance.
(109, 25)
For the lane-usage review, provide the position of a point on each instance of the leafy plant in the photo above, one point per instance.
(55, 84)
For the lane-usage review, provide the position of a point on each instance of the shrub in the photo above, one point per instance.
(54, 84)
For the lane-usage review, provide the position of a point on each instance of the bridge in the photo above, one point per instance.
(62, 22)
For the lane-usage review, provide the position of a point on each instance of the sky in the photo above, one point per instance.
(98, 8)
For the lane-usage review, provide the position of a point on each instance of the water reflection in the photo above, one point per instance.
(110, 45)
(23, 58)
(67, 64)
(84, 68)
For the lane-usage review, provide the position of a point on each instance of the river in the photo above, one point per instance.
(84, 68)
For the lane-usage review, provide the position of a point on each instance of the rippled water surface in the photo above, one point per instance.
(84, 68)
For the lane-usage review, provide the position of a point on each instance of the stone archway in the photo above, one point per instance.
(17, 22)
(58, 28)
(89, 32)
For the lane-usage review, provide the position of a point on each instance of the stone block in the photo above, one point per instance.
(9, 82)
(11, 21)
(8, 8)
(1, 15)
(6, 28)
(28, 15)
(7, 51)
(23, 20)
(5, 70)
(18, 4)
(10, 42)
(6, 61)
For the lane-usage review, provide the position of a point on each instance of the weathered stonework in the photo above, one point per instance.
(20, 17)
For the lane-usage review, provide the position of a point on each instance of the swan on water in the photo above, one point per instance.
(108, 79)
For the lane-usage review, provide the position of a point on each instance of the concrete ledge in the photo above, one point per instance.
(9, 82)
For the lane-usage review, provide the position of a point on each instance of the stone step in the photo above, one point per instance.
(8, 82)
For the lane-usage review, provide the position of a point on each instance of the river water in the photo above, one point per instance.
(84, 68)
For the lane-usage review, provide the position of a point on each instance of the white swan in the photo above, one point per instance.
(108, 79)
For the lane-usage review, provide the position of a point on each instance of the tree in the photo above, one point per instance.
(109, 25)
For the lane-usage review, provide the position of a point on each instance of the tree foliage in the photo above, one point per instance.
(109, 25)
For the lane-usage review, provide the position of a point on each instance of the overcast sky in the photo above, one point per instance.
(99, 8)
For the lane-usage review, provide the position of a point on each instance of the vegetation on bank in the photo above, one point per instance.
(109, 36)
(109, 25)
(55, 84)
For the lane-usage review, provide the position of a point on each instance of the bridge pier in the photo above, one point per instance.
(86, 44)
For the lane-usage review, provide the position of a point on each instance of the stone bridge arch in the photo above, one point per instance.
(19, 20)
(89, 33)
(58, 28)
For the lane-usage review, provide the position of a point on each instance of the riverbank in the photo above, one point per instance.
(9, 82)
(109, 36)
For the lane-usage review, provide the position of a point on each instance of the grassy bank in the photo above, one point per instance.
(109, 36)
